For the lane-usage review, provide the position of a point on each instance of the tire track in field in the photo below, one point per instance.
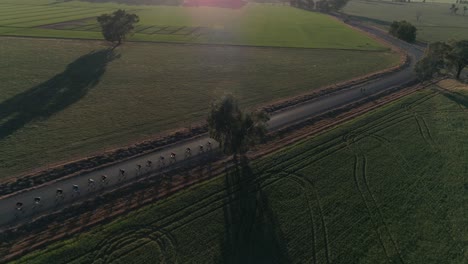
(379, 211)
(166, 242)
(376, 227)
(302, 180)
(387, 120)
(38, 20)
(175, 224)
(269, 177)
(423, 129)
(300, 183)
(387, 242)
(427, 130)
(418, 182)
(185, 219)
(305, 180)
(167, 221)
(405, 166)
(108, 249)
(374, 124)
(335, 144)
(31, 13)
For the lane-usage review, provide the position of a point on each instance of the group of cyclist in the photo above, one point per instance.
(60, 195)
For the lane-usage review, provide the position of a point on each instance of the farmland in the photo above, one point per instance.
(61, 100)
(388, 187)
(435, 23)
(253, 24)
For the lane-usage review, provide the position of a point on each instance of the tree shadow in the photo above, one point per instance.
(55, 94)
(252, 234)
(456, 97)
(370, 20)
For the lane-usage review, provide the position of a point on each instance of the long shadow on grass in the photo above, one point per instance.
(251, 234)
(371, 20)
(457, 97)
(56, 94)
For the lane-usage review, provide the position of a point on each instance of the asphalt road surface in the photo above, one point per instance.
(10, 215)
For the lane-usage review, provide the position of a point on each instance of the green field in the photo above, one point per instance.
(436, 23)
(60, 100)
(389, 187)
(254, 24)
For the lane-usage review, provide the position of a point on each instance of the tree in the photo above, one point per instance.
(336, 5)
(433, 62)
(116, 26)
(457, 56)
(443, 57)
(403, 30)
(323, 6)
(425, 68)
(235, 130)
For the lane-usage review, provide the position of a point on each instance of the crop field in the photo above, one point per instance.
(253, 24)
(389, 187)
(436, 23)
(63, 99)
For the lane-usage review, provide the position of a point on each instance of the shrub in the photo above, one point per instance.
(403, 30)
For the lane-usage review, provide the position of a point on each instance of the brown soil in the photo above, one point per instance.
(42, 231)
(453, 85)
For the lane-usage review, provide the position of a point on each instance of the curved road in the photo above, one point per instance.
(10, 215)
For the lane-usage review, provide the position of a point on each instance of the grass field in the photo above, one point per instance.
(254, 24)
(61, 100)
(389, 187)
(436, 23)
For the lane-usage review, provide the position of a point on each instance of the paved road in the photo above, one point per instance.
(10, 215)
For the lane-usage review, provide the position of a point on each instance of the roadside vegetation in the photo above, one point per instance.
(386, 187)
(138, 90)
(403, 30)
(443, 59)
(236, 130)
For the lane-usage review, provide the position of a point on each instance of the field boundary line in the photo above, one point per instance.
(181, 42)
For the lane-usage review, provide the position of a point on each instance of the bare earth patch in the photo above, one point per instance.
(453, 85)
